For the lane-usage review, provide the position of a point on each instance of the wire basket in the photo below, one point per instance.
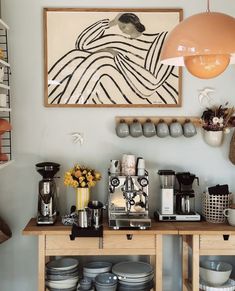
(213, 207)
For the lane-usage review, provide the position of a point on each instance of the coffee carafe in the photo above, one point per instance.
(47, 193)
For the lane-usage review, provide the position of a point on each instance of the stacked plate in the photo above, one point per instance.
(136, 276)
(62, 274)
(228, 286)
(92, 269)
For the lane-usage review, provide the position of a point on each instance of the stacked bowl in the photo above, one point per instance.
(92, 269)
(62, 274)
(106, 282)
(215, 273)
(136, 276)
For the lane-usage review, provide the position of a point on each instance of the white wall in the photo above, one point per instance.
(41, 134)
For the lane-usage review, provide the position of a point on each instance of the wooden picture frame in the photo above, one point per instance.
(109, 58)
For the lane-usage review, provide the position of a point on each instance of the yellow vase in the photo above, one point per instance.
(82, 197)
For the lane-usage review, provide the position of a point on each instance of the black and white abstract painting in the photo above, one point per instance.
(109, 57)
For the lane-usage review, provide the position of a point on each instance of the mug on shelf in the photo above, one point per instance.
(128, 164)
(230, 214)
(114, 167)
(122, 129)
(140, 166)
(149, 129)
(136, 129)
(189, 128)
(162, 128)
(176, 129)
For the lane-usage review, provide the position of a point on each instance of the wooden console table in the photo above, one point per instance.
(55, 241)
(204, 239)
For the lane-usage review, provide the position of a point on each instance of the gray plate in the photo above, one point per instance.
(136, 280)
(97, 267)
(69, 289)
(132, 269)
(143, 287)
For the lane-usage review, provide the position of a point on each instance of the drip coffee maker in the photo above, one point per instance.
(177, 196)
(184, 193)
(47, 192)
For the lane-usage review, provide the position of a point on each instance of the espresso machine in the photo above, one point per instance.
(128, 201)
(47, 193)
(177, 197)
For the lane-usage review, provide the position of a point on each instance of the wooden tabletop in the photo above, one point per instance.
(58, 228)
(164, 228)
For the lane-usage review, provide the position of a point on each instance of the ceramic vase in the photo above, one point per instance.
(213, 138)
(82, 197)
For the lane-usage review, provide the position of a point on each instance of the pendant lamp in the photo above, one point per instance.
(204, 43)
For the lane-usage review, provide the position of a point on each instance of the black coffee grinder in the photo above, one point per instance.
(47, 193)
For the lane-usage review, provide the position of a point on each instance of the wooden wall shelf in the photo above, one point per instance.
(155, 119)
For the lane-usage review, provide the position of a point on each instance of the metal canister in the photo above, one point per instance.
(96, 208)
(83, 220)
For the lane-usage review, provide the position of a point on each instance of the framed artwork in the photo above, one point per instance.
(109, 58)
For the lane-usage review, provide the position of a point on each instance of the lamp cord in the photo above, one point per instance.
(208, 6)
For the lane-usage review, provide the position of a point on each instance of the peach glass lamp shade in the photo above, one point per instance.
(204, 43)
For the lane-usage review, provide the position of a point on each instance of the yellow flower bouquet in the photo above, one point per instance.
(82, 179)
(81, 176)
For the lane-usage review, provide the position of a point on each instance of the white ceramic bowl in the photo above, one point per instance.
(215, 273)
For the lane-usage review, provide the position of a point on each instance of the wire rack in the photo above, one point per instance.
(5, 113)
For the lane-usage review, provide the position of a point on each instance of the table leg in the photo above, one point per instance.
(195, 262)
(41, 262)
(185, 259)
(159, 264)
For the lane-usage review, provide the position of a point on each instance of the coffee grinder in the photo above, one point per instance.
(47, 193)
